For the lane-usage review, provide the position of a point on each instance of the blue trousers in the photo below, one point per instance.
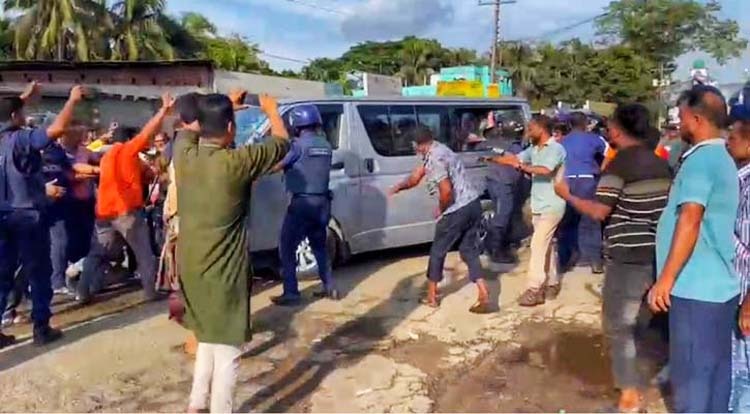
(306, 217)
(500, 228)
(578, 232)
(70, 231)
(24, 239)
(700, 354)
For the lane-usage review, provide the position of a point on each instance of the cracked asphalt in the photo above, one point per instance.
(377, 350)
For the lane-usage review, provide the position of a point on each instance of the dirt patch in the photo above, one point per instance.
(551, 368)
(424, 354)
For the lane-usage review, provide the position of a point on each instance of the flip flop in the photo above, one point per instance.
(480, 308)
(427, 302)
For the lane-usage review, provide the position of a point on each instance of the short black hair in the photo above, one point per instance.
(543, 121)
(707, 101)
(562, 127)
(421, 134)
(579, 120)
(215, 113)
(8, 106)
(186, 106)
(635, 120)
(124, 133)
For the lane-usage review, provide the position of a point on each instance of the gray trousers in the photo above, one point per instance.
(133, 229)
(625, 287)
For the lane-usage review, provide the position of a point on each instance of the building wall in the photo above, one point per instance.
(277, 86)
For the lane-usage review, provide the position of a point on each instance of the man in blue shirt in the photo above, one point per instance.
(24, 235)
(580, 234)
(307, 169)
(694, 258)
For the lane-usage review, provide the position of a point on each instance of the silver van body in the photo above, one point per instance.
(371, 154)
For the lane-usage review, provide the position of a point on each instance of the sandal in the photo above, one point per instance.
(480, 308)
(427, 302)
(6, 340)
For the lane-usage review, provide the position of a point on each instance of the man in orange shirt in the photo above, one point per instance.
(119, 207)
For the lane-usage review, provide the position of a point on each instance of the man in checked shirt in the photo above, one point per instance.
(738, 145)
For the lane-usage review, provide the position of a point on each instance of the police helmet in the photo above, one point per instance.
(303, 116)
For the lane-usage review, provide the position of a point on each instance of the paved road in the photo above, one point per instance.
(377, 350)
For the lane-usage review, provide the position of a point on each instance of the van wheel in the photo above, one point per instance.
(306, 263)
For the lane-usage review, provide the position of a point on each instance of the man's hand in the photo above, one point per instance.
(508, 159)
(659, 295)
(237, 96)
(393, 191)
(167, 102)
(55, 192)
(745, 318)
(32, 90)
(76, 94)
(562, 189)
(268, 104)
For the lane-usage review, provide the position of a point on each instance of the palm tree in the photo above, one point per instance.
(55, 29)
(520, 60)
(138, 33)
(419, 59)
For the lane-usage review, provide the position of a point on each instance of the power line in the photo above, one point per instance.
(279, 57)
(563, 29)
(318, 7)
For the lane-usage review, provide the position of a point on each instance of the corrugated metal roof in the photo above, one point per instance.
(59, 65)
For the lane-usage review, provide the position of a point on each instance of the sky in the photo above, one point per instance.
(292, 32)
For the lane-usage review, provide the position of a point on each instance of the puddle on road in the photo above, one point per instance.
(576, 354)
(549, 368)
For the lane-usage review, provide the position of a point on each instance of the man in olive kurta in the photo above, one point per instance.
(214, 185)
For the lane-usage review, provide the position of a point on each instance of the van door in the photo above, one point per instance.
(270, 199)
(387, 157)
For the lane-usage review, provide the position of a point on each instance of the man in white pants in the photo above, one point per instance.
(214, 183)
(542, 160)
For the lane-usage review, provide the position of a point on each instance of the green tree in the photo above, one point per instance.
(234, 53)
(324, 70)
(55, 29)
(521, 61)
(420, 58)
(663, 30)
(137, 33)
(6, 39)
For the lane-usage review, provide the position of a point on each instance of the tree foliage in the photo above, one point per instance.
(662, 30)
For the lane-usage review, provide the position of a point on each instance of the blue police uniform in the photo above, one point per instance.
(579, 232)
(307, 173)
(508, 189)
(24, 235)
(58, 167)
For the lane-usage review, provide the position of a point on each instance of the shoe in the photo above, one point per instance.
(552, 292)
(63, 291)
(6, 340)
(531, 298)
(332, 294)
(597, 268)
(9, 319)
(45, 335)
(284, 300)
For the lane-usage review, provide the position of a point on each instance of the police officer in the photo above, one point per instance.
(508, 189)
(24, 233)
(307, 169)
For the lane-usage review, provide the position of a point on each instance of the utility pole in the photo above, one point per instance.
(496, 32)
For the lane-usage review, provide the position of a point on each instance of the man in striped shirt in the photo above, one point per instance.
(630, 197)
(738, 145)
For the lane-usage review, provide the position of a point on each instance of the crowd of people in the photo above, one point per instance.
(665, 218)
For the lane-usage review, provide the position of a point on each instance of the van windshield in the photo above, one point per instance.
(250, 125)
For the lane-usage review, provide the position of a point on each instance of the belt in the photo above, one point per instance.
(581, 176)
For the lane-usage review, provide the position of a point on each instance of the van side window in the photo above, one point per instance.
(403, 123)
(437, 118)
(476, 128)
(378, 127)
(332, 115)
